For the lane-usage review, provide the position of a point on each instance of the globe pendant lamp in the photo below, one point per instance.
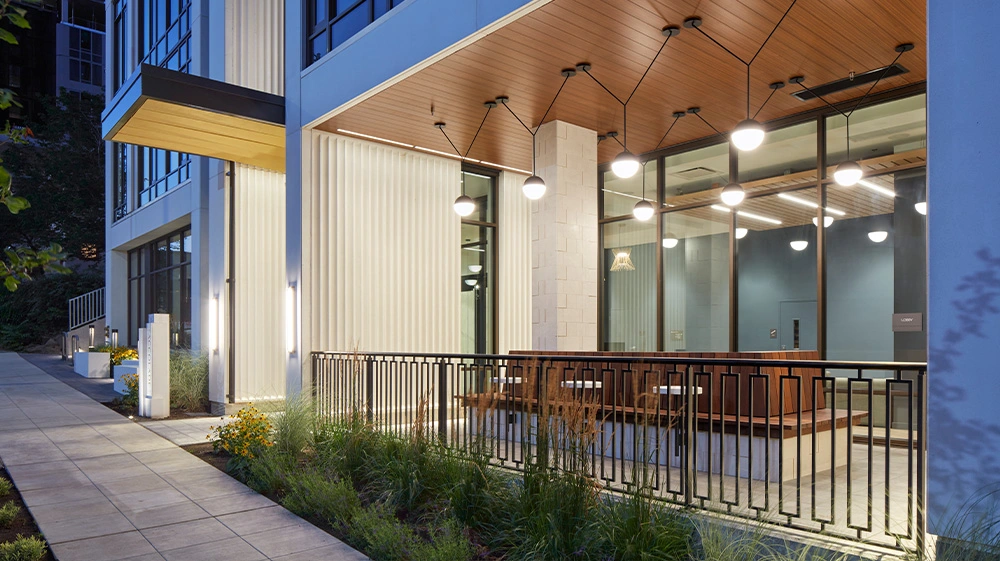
(464, 205)
(848, 173)
(534, 186)
(670, 240)
(741, 233)
(733, 194)
(643, 210)
(625, 164)
(747, 135)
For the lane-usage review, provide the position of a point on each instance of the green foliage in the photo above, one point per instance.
(131, 397)
(188, 380)
(293, 427)
(45, 297)
(23, 549)
(244, 437)
(269, 472)
(8, 512)
(636, 529)
(311, 494)
(118, 354)
(5, 487)
(377, 532)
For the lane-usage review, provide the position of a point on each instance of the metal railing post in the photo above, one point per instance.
(370, 389)
(689, 435)
(443, 400)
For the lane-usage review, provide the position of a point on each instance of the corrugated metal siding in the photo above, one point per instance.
(514, 231)
(381, 249)
(260, 283)
(255, 44)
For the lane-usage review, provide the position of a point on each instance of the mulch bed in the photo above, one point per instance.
(208, 455)
(125, 411)
(24, 524)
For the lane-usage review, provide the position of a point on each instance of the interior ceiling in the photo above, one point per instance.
(820, 39)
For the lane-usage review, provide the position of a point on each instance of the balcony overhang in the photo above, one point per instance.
(172, 110)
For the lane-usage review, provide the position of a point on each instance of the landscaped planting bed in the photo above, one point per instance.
(19, 537)
(408, 497)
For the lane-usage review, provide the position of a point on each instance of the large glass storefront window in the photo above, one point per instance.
(873, 252)
(160, 283)
(630, 285)
(478, 289)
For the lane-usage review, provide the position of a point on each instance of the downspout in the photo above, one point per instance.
(231, 284)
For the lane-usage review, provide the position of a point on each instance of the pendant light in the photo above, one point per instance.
(643, 210)
(878, 236)
(799, 245)
(741, 233)
(921, 207)
(670, 240)
(748, 134)
(733, 194)
(626, 164)
(464, 204)
(827, 220)
(849, 172)
(534, 187)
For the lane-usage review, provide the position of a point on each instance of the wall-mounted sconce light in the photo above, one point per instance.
(114, 338)
(90, 328)
(214, 325)
(291, 327)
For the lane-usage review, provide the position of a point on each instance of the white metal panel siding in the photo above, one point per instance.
(255, 44)
(260, 284)
(514, 232)
(381, 249)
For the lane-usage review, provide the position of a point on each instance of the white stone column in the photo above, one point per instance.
(564, 240)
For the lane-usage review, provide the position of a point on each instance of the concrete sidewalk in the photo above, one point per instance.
(104, 488)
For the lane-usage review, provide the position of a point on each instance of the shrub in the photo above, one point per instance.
(312, 495)
(188, 380)
(245, 436)
(8, 512)
(293, 427)
(384, 538)
(118, 354)
(269, 471)
(131, 397)
(23, 549)
(635, 528)
(5, 487)
(45, 296)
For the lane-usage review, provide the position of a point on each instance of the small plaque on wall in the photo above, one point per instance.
(907, 322)
(676, 335)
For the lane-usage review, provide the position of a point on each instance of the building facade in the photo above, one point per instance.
(330, 227)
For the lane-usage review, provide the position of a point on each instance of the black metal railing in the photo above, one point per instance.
(831, 447)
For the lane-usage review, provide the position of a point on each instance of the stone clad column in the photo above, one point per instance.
(564, 240)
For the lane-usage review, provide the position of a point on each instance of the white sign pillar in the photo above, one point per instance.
(154, 367)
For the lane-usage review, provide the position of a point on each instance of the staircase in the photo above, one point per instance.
(84, 310)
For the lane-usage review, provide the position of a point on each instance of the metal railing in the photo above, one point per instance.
(86, 308)
(837, 448)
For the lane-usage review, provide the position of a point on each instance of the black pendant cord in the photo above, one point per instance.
(800, 80)
(668, 32)
(696, 111)
(566, 74)
(696, 24)
(440, 126)
(677, 116)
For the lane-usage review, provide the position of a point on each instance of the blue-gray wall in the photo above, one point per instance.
(963, 253)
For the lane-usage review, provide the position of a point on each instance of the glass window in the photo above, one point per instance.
(689, 175)
(478, 288)
(119, 155)
(331, 22)
(776, 271)
(162, 170)
(164, 288)
(621, 195)
(630, 286)
(166, 34)
(695, 246)
(784, 152)
(123, 43)
(894, 127)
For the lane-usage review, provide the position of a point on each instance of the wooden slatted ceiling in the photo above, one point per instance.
(170, 126)
(819, 39)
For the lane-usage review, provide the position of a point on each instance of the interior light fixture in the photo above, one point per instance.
(670, 240)
(643, 210)
(213, 324)
(849, 172)
(878, 236)
(623, 260)
(808, 203)
(475, 268)
(748, 134)
(376, 138)
(799, 245)
(877, 188)
(733, 194)
(748, 215)
(626, 164)
(921, 207)
(464, 204)
(471, 282)
(827, 220)
(741, 233)
(534, 186)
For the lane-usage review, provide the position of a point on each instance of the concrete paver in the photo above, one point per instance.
(104, 488)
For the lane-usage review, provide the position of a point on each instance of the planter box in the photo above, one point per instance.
(92, 365)
(126, 367)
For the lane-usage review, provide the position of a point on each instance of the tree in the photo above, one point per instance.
(20, 262)
(61, 175)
